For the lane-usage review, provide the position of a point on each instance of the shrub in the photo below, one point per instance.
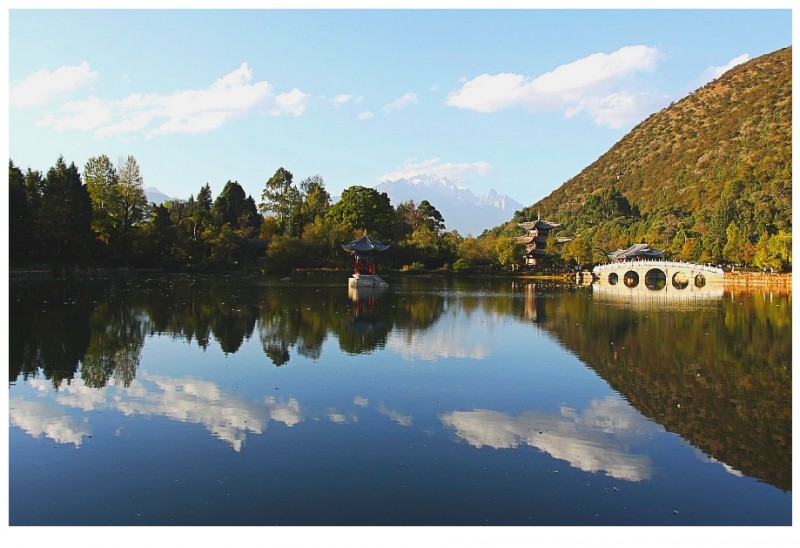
(413, 267)
(461, 266)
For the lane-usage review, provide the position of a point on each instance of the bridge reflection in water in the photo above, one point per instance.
(664, 279)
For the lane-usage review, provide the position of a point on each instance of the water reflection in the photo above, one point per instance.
(599, 439)
(659, 294)
(185, 399)
(718, 373)
(39, 418)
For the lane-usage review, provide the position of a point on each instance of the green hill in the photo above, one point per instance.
(707, 178)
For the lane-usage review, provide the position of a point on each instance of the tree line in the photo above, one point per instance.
(100, 216)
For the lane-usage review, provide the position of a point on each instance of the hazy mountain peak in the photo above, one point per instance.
(462, 210)
(155, 196)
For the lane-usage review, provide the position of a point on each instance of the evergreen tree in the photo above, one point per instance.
(20, 220)
(231, 204)
(66, 214)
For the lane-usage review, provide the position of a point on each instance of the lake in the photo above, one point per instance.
(191, 400)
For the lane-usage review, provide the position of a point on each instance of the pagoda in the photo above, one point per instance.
(535, 239)
(364, 251)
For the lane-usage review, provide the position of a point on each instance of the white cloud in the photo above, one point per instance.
(188, 111)
(615, 110)
(43, 87)
(712, 73)
(400, 103)
(366, 115)
(293, 103)
(489, 93)
(343, 99)
(434, 166)
(86, 115)
(573, 87)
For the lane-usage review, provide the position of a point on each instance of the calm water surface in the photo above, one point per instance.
(227, 401)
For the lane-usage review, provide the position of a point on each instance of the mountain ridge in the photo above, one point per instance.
(461, 208)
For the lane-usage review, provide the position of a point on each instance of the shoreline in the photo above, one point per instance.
(734, 280)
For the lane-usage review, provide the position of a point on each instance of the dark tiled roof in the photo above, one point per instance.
(540, 224)
(365, 244)
(636, 250)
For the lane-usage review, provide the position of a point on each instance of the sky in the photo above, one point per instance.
(518, 101)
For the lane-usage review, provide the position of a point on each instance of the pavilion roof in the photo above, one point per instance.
(636, 250)
(544, 225)
(365, 244)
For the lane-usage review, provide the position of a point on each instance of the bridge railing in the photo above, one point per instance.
(658, 263)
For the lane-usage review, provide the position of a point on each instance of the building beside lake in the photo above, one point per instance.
(535, 240)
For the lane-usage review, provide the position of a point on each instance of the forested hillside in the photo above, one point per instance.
(706, 179)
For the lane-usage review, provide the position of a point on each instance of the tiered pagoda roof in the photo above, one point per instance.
(538, 224)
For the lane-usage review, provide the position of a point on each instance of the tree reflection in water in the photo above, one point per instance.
(718, 373)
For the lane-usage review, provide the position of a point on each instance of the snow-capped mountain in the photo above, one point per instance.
(462, 210)
(155, 196)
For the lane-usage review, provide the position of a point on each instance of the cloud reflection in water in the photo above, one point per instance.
(596, 440)
(184, 399)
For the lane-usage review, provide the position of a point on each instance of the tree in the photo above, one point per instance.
(159, 238)
(736, 244)
(20, 219)
(605, 206)
(280, 196)
(316, 200)
(34, 189)
(764, 255)
(321, 239)
(478, 251)
(131, 203)
(579, 249)
(231, 205)
(204, 198)
(780, 246)
(101, 182)
(66, 214)
(363, 208)
(774, 251)
(430, 217)
(509, 251)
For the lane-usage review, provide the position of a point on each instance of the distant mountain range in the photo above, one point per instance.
(462, 210)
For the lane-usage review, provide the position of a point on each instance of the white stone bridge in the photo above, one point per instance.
(657, 275)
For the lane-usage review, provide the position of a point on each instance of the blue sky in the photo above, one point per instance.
(515, 100)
